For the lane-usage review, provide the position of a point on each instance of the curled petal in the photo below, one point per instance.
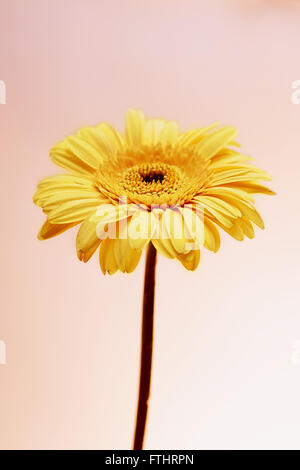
(190, 260)
(49, 230)
(87, 240)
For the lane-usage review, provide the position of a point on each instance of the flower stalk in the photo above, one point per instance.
(146, 348)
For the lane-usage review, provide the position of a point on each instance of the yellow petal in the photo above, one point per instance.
(161, 241)
(194, 136)
(134, 127)
(153, 129)
(251, 214)
(49, 230)
(84, 151)
(164, 248)
(118, 254)
(62, 156)
(190, 260)
(251, 187)
(120, 249)
(237, 176)
(104, 138)
(115, 138)
(193, 223)
(141, 228)
(247, 210)
(212, 236)
(53, 185)
(73, 211)
(224, 191)
(106, 218)
(228, 157)
(67, 180)
(246, 226)
(220, 205)
(169, 133)
(107, 257)
(214, 212)
(212, 143)
(174, 228)
(235, 230)
(87, 240)
(126, 257)
(49, 203)
(132, 259)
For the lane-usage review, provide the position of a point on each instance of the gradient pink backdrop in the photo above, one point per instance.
(223, 373)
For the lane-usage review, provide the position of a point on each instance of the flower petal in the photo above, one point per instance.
(126, 258)
(246, 226)
(247, 210)
(227, 191)
(62, 156)
(169, 133)
(52, 184)
(220, 205)
(194, 136)
(164, 248)
(235, 231)
(60, 188)
(107, 257)
(161, 239)
(87, 240)
(251, 187)
(211, 235)
(190, 260)
(51, 202)
(85, 151)
(106, 218)
(211, 144)
(173, 224)
(153, 129)
(141, 228)
(193, 224)
(237, 176)
(134, 127)
(49, 230)
(73, 211)
(104, 138)
(214, 212)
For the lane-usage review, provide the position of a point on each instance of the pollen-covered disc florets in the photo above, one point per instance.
(153, 174)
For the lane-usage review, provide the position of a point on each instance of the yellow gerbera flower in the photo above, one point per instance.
(152, 185)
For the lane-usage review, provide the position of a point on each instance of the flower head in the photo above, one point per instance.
(152, 185)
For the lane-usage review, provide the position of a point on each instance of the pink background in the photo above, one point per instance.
(225, 335)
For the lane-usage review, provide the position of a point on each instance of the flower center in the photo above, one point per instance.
(152, 176)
